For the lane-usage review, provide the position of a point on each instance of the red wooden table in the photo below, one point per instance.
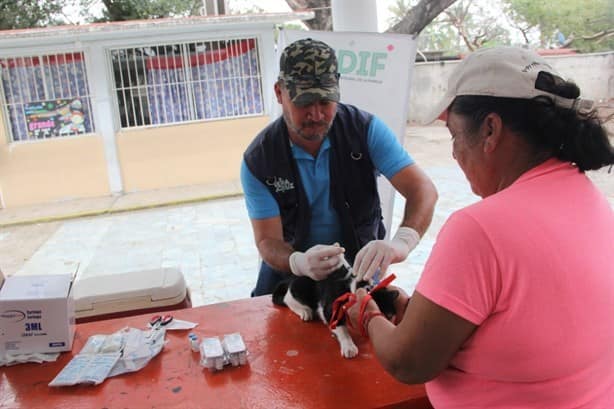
(291, 364)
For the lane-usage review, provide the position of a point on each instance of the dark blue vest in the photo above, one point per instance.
(353, 184)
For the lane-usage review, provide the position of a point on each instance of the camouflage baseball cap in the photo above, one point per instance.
(308, 69)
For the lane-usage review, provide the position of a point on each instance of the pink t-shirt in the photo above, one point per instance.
(533, 267)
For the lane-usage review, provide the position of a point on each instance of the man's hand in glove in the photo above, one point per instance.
(379, 254)
(317, 262)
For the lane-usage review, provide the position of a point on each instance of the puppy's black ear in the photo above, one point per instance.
(340, 273)
(363, 284)
(394, 294)
(343, 269)
(384, 298)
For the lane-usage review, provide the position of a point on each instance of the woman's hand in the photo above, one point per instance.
(353, 313)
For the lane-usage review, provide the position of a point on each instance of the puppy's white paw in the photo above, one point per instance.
(348, 348)
(303, 311)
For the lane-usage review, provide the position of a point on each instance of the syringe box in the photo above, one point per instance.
(37, 314)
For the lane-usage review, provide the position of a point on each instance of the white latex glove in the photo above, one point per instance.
(379, 254)
(317, 262)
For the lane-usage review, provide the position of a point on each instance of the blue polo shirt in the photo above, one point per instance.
(387, 155)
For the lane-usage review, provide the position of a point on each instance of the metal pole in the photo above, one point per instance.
(354, 15)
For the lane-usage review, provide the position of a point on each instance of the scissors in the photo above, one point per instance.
(160, 320)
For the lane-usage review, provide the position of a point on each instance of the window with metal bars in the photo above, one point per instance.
(175, 83)
(46, 96)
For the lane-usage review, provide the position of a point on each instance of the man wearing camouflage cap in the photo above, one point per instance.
(309, 179)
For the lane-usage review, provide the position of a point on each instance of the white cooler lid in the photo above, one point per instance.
(132, 290)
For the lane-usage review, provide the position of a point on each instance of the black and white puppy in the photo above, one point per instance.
(306, 297)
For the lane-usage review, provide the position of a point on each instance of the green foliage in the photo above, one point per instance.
(243, 7)
(28, 13)
(122, 10)
(463, 26)
(436, 36)
(398, 10)
(478, 23)
(439, 37)
(575, 19)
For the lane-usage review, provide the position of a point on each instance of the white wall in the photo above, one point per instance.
(593, 73)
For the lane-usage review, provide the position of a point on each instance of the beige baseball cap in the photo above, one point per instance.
(508, 72)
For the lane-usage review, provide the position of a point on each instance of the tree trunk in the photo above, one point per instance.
(413, 22)
(323, 19)
(211, 6)
(420, 16)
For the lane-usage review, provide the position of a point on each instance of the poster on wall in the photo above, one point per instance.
(57, 117)
(376, 71)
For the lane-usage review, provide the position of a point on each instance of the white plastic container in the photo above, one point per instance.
(212, 354)
(193, 339)
(235, 349)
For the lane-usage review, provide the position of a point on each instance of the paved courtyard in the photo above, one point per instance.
(211, 241)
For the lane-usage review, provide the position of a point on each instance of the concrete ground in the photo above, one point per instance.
(203, 230)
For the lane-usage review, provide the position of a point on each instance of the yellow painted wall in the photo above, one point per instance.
(59, 169)
(52, 170)
(180, 155)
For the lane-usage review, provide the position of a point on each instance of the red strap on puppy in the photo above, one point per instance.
(340, 307)
(345, 301)
(383, 283)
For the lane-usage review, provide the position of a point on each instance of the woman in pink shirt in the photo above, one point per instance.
(515, 305)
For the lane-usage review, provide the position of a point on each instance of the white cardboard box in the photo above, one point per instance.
(37, 314)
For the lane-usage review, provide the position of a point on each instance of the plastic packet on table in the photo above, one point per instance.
(86, 368)
(104, 356)
(9, 359)
(180, 325)
(139, 348)
(103, 344)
